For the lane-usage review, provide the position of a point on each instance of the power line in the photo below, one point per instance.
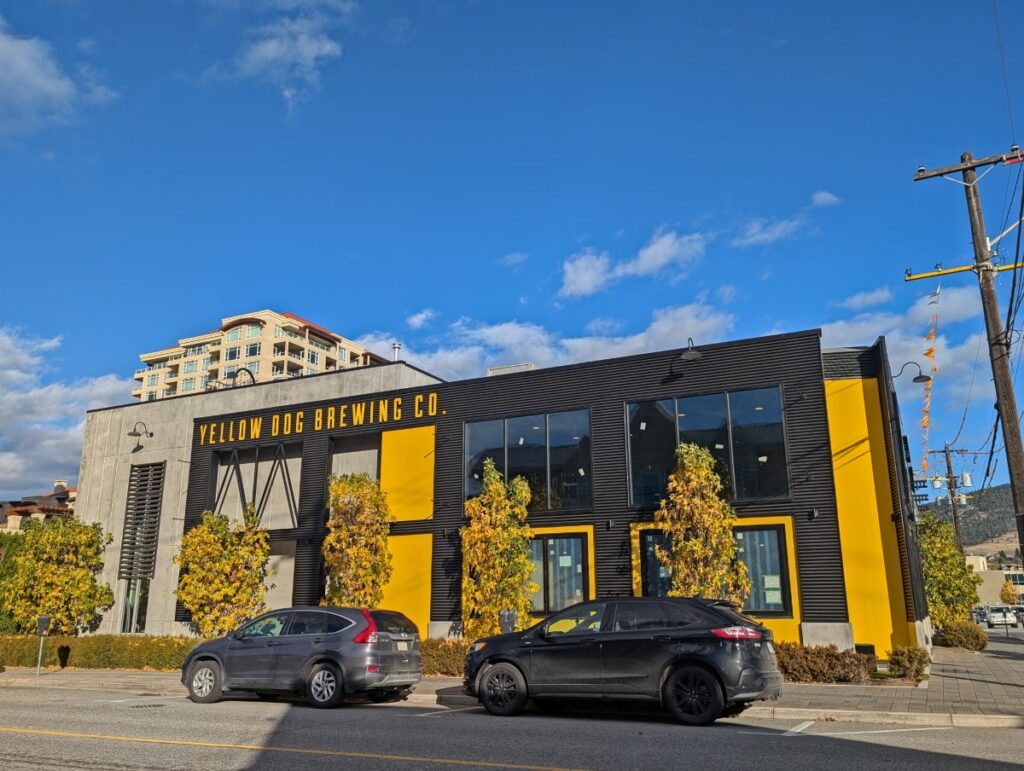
(970, 389)
(1002, 60)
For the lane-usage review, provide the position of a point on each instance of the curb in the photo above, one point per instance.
(947, 719)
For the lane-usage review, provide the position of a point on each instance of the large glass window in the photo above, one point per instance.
(254, 330)
(763, 551)
(652, 445)
(743, 430)
(559, 570)
(569, 459)
(758, 446)
(656, 578)
(234, 334)
(233, 353)
(136, 601)
(188, 368)
(188, 384)
(252, 349)
(483, 440)
(551, 452)
(152, 380)
(526, 448)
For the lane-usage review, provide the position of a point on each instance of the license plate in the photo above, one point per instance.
(402, 645)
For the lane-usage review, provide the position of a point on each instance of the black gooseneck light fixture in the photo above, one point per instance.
(919, 378)
(139, 434)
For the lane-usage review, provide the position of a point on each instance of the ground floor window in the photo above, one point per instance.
(136, 600)
(560, 571)
(762, 549)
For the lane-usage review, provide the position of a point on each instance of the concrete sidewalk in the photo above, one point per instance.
(965, 689)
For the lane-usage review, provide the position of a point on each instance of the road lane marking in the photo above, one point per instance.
(442, 712)
(798, 728)
(885, 731)
(265, 748)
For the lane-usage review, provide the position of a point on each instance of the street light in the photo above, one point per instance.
(920, 378)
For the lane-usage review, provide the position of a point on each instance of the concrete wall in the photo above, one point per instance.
(108, 454)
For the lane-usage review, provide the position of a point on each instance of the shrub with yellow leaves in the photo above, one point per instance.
(355, 550)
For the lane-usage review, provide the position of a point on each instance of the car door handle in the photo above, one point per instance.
(664, 638)
(274, 644)
(318, 640)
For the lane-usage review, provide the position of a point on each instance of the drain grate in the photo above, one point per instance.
(146, 706)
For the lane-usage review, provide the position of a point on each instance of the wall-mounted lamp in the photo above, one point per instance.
(139, 434)
(234, 376)
(691, 353)
(920, 378)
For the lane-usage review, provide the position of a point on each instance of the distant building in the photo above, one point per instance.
(992, 580)
(269, 345)
(60, 502)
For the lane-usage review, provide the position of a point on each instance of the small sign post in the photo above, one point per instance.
(44, 624)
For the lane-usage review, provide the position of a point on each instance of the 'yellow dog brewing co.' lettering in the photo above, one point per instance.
(296, 422)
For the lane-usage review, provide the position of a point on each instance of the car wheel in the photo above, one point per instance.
(503, 690)
(693, 696)
(324, 686)
(204, 681)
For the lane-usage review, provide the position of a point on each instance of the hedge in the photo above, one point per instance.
(963, 634)
(110, 651)
(908, 661)
(822, 664)
(100, 651)
(444, 657)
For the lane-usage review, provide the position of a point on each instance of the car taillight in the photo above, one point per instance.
(737, 633)
(368, 635)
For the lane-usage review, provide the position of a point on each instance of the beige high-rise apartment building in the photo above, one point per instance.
(269, 345)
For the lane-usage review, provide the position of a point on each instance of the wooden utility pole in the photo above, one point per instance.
(998, 342)
(954, 504)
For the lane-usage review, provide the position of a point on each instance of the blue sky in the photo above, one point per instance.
(487, 182)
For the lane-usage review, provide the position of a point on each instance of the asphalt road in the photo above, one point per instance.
(117, 731)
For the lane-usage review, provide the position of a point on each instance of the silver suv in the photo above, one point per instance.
(321, 653)
(1001, 615)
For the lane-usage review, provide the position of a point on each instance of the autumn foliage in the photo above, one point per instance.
(224, 568)
(1008, 593)
(699, 523)
(355, 550)
(497, 563)
(53, 572)
(950, 585)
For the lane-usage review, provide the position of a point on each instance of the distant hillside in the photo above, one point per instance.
(988, 515)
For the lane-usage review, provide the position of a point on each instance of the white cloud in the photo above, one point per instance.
(727, 293)
(588, 272)
(867, 299)
(35, 90)
(604, 326)
(418, 320)
(585, 273)
(514, 259)
(41, 423)
(468, 349)
(761, 232)
(825, 198)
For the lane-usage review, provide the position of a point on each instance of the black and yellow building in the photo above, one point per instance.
(817, 472)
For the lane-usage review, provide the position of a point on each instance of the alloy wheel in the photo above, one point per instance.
(692, 695)
(323, 685)
(501, 689)
(202, 682)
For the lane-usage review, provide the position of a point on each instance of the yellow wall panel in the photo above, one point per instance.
(408, 591)
(407, 472)
(867, 534)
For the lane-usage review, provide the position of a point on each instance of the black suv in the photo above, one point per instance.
(323, 653)
(700, 658)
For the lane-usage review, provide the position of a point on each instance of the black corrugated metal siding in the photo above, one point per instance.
(793, 362)
(849, 363)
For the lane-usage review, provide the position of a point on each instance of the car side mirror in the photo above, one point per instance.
(543, 632)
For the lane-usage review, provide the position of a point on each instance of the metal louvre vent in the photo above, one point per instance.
(142, 521)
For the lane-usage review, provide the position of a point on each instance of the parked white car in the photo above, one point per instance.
(1001, 615)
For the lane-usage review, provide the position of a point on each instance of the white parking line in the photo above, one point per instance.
(798, 728)
(442, 712)
(884, 731)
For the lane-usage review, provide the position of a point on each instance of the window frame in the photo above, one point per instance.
(258, 345)
(633, 506)
(784, 577)
(547, 451)
(583, 535)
